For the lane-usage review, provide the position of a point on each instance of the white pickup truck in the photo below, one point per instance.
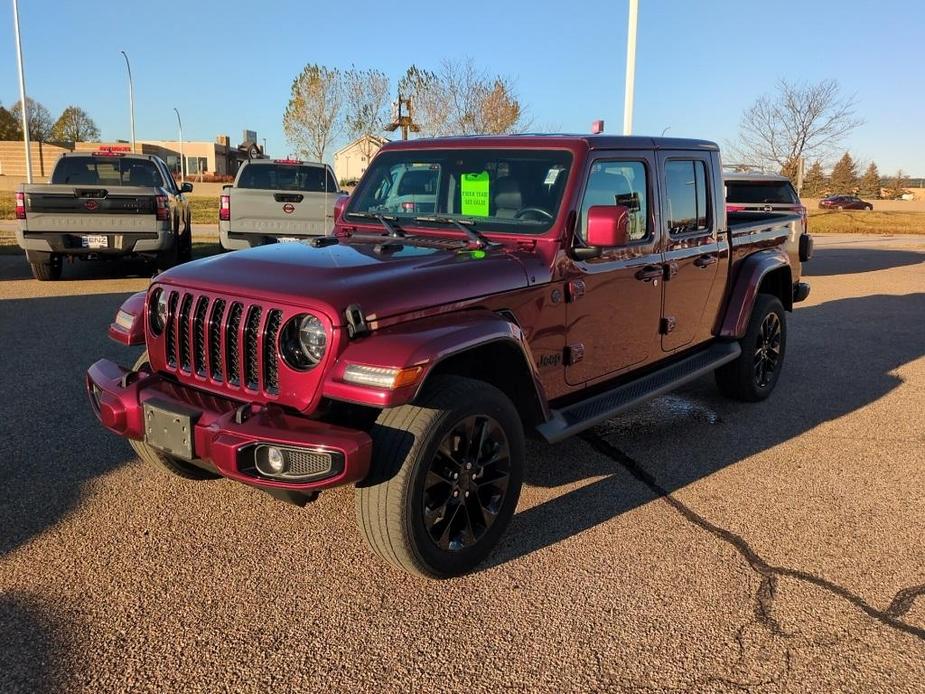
(275, 200)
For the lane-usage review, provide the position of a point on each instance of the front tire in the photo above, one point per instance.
(49, 268)
(752, 376)
(446, 477)
(157, 458)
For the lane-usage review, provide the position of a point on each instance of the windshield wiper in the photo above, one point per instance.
(465, 225)
(392, 229)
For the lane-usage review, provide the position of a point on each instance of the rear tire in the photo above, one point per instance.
(752, 376)
(154, 457)
(48, 270)
(446, 477)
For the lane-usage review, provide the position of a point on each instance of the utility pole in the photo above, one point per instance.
(182, 158)
(402, 120)
(131, 97)
(22, 94)
(630, 68)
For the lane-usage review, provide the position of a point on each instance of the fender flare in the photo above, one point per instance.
(132, 333)
(745, 286)
(426, 342)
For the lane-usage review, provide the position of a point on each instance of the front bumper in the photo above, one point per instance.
(221, 435)
(118, 243)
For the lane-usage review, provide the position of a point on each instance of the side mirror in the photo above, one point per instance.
(608, 226)
(339, 206)
(186, 188)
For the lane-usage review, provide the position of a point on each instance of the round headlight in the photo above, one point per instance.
(159, 311)
(303, 341)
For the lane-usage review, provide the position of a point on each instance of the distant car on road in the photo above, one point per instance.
(844, 202)
(275, 200)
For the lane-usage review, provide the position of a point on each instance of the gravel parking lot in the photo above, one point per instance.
(693, 545)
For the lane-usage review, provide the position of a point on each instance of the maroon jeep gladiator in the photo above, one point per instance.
(472, 291)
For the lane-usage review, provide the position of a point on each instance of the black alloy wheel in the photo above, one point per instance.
(767, 350)
(466, 483)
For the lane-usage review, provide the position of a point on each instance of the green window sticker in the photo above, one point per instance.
(475, 194)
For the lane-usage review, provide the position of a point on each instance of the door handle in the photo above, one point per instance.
(706, 260)
(650, 272)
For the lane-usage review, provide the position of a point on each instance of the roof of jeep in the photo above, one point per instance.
(602, 141)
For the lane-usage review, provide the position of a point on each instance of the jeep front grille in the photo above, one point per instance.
(223, 341)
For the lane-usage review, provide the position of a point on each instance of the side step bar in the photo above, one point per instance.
(584, 414)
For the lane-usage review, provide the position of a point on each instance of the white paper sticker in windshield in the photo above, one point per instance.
(552, 176)
(474, 192)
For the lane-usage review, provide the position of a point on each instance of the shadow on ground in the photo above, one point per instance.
(32, 647)
(839, 260)
(821, 382)
(50, 442)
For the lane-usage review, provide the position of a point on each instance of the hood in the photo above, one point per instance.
(385, 282)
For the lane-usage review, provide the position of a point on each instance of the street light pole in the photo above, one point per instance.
(22, 94)
(630, 68)
(131, 97)
(182, 158)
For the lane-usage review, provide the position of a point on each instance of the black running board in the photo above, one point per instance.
(581, 415)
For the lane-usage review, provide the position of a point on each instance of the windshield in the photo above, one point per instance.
(307, 179)
(112, 171)
(505, 190)
(761, 191)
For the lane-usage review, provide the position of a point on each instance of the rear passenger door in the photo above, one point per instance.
(692, 252)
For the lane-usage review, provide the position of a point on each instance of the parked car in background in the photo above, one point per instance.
(844, 202)
(103, 205)
(559, 281)
(273, 200)
(407, 188)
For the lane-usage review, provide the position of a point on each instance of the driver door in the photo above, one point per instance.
(615, 299)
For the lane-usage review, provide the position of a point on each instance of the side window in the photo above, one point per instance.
(687, 199)
(617, 183)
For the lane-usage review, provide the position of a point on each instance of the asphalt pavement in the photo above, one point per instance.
(695, 544)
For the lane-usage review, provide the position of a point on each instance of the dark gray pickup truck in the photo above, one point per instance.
(104, 204)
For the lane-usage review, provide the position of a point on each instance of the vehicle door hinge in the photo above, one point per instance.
(667, 324)
(574, 290)
(671, 269)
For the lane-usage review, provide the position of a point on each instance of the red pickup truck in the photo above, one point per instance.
(541, 285)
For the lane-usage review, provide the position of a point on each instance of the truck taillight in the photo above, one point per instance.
(20, 205)
(224, 210)
(161, 209)
(407, 207)
(734, 208)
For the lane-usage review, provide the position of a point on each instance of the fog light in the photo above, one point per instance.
(276, 463)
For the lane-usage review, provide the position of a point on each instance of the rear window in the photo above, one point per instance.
(772, 192)
(110, 171)
(306, 179)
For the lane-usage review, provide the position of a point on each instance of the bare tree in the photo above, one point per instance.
(366, 100)
(313, 117)
(75, 125)
(430, 99)
(796, 121)
(39, 119)
(462, 99)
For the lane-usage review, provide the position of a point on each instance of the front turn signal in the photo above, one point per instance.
(381, 376)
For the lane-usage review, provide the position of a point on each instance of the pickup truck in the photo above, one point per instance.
(102, 205)
(273, 200)
(558, 281)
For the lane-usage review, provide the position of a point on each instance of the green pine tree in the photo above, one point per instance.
(844, 178)
(870, 183)
(814, 183)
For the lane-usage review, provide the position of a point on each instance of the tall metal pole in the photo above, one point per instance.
(182, 158)
(131, 97)
(22, 94)
(630, 68)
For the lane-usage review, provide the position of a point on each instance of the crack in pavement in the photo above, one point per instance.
(900, 605)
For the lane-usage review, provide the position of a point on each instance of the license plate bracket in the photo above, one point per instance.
(94, 241)
(169, 427)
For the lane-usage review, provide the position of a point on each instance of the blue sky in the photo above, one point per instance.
(229, 65)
